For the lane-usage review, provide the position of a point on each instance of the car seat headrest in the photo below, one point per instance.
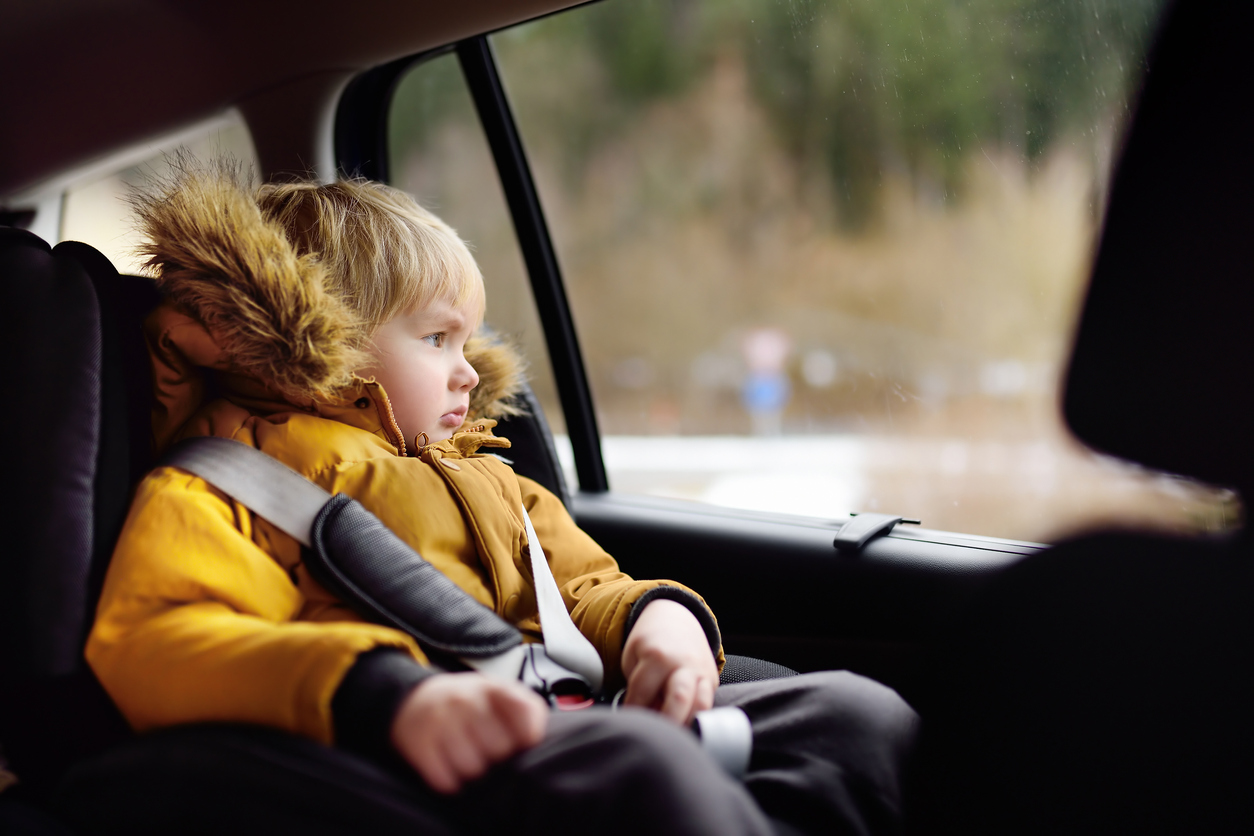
(1162, 372)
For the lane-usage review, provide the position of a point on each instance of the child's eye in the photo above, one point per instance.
(434, 340)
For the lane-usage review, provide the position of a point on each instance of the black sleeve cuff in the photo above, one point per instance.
(368, 698)
(679, 596)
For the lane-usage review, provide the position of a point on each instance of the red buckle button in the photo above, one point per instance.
(571, 702)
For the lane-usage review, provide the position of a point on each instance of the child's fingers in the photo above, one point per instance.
(503, 724)
(453, 727)
(681, 695)
(434, 768)
(514, 719)
(705, 694)
(463, 756)
(493, 737)
(644, 686)
(523, 714)
(702, 696)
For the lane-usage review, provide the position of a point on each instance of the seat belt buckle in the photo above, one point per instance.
(562, 688)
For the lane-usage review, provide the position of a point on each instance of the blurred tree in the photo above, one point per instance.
(862, 86)
(646, 48)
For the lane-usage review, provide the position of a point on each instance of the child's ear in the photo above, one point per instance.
(501, 375)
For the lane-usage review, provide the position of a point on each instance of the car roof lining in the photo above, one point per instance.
(100, 75)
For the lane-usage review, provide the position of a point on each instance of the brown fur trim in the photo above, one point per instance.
(501, 377)
(218, 258)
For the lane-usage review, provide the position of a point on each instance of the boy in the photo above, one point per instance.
(332, 327)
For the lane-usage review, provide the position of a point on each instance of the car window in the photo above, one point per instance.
(94, 208)
(438, 153)
(826, 255)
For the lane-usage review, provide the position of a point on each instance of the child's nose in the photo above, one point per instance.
(466, 377)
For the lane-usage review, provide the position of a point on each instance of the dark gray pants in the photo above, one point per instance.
(829, 752)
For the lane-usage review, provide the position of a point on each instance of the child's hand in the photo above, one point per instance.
(453, 726)
(667, 662)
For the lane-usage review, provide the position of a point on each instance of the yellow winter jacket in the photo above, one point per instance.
(207, 612)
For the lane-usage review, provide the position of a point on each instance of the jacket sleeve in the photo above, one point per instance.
(196, 621)
(603, 601)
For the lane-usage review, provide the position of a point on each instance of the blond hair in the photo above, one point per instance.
(383, 254)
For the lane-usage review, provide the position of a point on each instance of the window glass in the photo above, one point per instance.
(438, 153)
(95, 211)
(826, 255)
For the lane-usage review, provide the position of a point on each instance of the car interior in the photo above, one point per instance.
(1100, 684)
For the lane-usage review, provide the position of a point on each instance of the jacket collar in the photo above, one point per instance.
(465, 442)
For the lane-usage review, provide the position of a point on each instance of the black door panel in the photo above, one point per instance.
(783, 592)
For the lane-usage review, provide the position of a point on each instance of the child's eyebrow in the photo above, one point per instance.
(445, 320)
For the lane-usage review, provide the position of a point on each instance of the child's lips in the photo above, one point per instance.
(455, 418)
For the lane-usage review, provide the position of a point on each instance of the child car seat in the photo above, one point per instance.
(1107, 685)
(81, 440)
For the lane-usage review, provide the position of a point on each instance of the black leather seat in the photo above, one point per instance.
(70, 465)
(1107, 685)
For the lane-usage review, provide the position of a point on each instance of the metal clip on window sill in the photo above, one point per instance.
(863, 528)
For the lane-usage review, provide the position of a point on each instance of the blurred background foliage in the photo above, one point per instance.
(919, 89)
(857, 88)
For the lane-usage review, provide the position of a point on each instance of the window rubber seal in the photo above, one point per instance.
(488, 93)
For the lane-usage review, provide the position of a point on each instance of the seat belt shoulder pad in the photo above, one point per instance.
(360, 559)
(350, 552)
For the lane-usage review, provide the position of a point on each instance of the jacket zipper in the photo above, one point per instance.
(394, 427)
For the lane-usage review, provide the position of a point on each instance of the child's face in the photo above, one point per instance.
(420, 363)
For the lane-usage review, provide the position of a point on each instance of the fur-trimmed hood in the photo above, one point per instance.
(256, 309)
